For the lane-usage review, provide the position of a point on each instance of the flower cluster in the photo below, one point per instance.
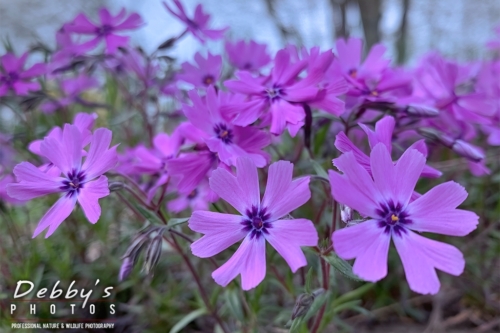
(207, 128)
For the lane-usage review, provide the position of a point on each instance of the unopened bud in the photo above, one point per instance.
(125, 268)
(303, 304)
(153, 253)
(115, 186)
(345, 213)
(436, 135)
(422, 110)
(467, 150)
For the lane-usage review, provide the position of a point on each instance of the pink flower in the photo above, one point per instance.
(197, 199)
(259, 221)
(205, 74)
(384, 198)
(198, 25)
(383, 134)
(106, 29)
(221, 135)
(248, 56)
(14, 77)
(278, 93)
(78, 181)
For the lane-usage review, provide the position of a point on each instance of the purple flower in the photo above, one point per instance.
(260, 220)
(106, 29)
(349, 60)
(15, 78)
(71, 90)
(197, 199)
(221, 135)
(198, 25)
(206, 73)
(78, 181)
(4, 181)
(382, 134)
(384, 198)
(248, 56)
(154, 161)
(278, 93)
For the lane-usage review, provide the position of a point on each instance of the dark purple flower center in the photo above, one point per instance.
(256, 222)
(208, 80)
(393, 218)
(193, 194)
(10, 78)
(73, 183)
(273, 93)
(224, 133)
(104, 30)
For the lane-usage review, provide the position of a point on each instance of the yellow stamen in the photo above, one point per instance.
(374, 93)
(224, 134)
(394, 218)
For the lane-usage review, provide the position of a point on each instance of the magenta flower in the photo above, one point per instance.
(221, 135)
(15, 78)
(197, 199)
(259, 221)
(106, 29)
(278, 93)
(71, 90)
(248, 56)
(384, 198)
(78, 181)
(349, 60)
(206, 73)
(382, 134)
(198, 25)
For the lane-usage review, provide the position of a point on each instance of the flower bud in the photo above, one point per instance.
(153, 253)
(125, 268)
(345, 213)
(303, 304)
(467, 150)
(421, 110)
(115, 186)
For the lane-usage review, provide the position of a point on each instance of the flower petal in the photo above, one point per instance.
(100, 159)
(420, 257)
(249, 261)
(287, 236)
(90, 194)
(435, 211)
(369, 244)
(282, 194)
(355, 188)
(221, 231)
(33, 183)
(55, 215)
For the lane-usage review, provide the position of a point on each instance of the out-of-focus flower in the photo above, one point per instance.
(206, 73)
(71, 90)
(220, 134)
(260, 221)
(78, 181)
(154, 161)
(106, 29)
(384, 197)
(198, 25)
(197, 199)
(277, 94)
(248, 56)
(382, 134)
(13, 76)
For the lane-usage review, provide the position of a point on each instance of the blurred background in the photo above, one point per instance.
(410, 28)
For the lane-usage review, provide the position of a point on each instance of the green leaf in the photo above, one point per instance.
(342, 266)
(319, 169)
(187, 319)
(177, 221)
(352, 295)
(319, 138)
(152, 218)
(308, 281)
